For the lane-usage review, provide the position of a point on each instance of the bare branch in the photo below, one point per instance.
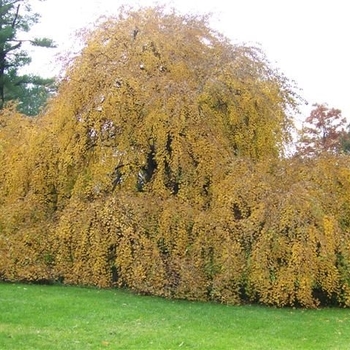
(16, 16)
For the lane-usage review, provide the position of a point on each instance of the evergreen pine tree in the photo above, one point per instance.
(16, 18)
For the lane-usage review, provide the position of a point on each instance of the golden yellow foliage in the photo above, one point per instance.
(158, 167)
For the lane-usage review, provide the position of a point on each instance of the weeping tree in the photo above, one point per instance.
(158, 167)
(157, 107)
(148, 122)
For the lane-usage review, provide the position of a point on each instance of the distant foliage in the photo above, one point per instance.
(345, 141)
(159, 167)
(29, 91)
(323, 131)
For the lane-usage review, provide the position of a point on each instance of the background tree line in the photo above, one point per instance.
(159, 166)
(30, 92)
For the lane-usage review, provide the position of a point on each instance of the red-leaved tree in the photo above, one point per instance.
(322, 131)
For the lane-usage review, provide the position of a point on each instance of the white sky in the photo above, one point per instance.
(306, 39)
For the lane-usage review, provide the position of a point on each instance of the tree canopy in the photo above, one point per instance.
(323, 131)
(166, 101)
(158, 167)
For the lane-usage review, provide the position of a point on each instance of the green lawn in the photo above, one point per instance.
(58, 317)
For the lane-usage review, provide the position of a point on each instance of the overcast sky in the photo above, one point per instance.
(306, 39)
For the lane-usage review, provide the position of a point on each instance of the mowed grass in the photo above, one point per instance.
(59, 317)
